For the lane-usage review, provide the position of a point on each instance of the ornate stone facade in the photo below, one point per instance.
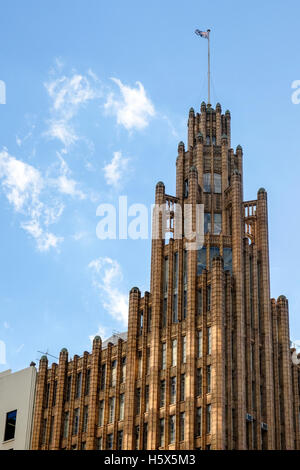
(207, 361)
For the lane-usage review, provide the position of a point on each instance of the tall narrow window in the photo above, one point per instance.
(145, 436)
(183, 350)
(201, 260)
(217, 224)
(99, 443)
(162, 393)
(66, 425)
(113, 373)
(185, 277)
(137, 437)
(101, 413)
(208, 419)
(175, 288)
(209, 340)
(172, 429)
(208, 379)
(54, 393)
(199, 382)
(147, 398)
(141, 322)
(199, 302)
(120, 440)
(165, 291)
(78, 385)
(44, 430)
(174, 352)
(87, 382)
(121, 408)
(181, 421)
(207, 140)
(207, 222)
(206, 183)
(111, 409)
(162, 432)
(217, 183)
(85, 418)
(199, 421)
(163, 355)
(103, 372)
(10, 425)
(199, 343)
(182, 387)
(109, 441)
(47, 393)
(123, 369)
(172, 390)
(140, 364)
(186, 189)
(149, 319)
(148, 361)
(68, 391)
(208, 298)
(75, 421)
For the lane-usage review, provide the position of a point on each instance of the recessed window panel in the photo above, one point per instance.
(207, 222)
(201, 261)
(214, 251)
(227, 256)
(217, 183)
(206, 183)
(217, 224)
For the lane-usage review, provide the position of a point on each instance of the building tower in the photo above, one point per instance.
(206, 363)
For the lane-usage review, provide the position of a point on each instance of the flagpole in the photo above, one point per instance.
(208, 37)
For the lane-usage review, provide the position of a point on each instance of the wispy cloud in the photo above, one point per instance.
(114, 171)
(102, 332)
(64, 183)
(133, 108)
(68, 95)
(107, 279)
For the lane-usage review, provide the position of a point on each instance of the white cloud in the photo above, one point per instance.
(22, 185)
(68, 94)
(107, 278)
(134, 109)
(102, 332)
(114, 170)
(64, 183)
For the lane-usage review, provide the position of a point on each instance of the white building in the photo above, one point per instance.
(17, 392)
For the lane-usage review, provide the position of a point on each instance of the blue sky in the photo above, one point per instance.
(97, 98)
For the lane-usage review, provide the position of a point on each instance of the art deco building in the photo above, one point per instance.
(206, 363)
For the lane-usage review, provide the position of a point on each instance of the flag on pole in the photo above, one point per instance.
(203, 34)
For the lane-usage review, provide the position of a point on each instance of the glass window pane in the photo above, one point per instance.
(206, 183)
(214, 251)
(217, 224)
(227, 256)
(201, 262)
(207, 222)
(217, 183)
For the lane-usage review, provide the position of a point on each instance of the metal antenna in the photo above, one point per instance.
(47, 354)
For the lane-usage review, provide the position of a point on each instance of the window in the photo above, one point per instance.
(162, 393)
(75, 421)
(181, 427)
(172, 390)
(208, 419)
(182, 387)
(214, 251)
(199, 302)
(44, 430)
(163, 356)
(121, 409)
(172, 429)
(201, 260)
(54, 393)
(47, 395)
(137, 437)
(207, 222)
(183, 351)
(186, 189)
(102, 380)
(149, 319)
(199, 382)
(101, 413)
(51, 428)
(66, 425)
(145, 436)
(140, 364)
(111, 409)
(109, 441)
(69, 383)
(174, 352)
(207, 140)
(165, 291)
(175, 287)
(162, 432)
(123, 370)
(214, 140)
(78, 385)
(141, 322)
(99, 443)
(199, 422)
(208, 298)
(209, 340)
(206, 183)
(83, 446)
(199, 343)
(185, 266)
(227, 257)
(113, 373)
(208, 379)
(147, 398)
(217, 224)
(87, 382)
(138, 401)
(217, 183)
(85, 418)
(120, 440)
(148, 361)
